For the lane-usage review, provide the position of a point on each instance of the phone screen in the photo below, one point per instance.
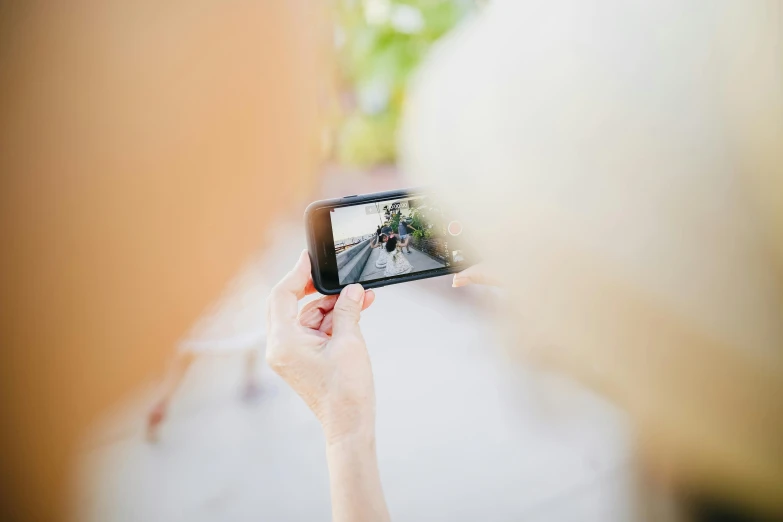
(393, 238)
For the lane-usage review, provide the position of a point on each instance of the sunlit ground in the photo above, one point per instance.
(463, 433)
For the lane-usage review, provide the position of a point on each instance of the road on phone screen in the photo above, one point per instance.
(417, 259)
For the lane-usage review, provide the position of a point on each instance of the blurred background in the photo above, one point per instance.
(493, 441)
(156, 161)
(378, 45)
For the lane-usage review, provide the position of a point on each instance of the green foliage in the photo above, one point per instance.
(364, 140)
(420, 223)
(380, 43)
(394, 222)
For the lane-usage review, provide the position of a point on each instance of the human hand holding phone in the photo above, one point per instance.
(320, 352)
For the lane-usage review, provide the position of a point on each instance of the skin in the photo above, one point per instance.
(407, 239)
(378, 241)
(320, 352)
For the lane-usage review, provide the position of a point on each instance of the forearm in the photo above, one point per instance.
(355, 480)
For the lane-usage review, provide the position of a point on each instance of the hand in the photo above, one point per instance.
(480, 274)
(320, 352)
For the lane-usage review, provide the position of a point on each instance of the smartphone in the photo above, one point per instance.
(382, 239)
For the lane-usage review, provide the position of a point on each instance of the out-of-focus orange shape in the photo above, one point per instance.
(145, 150)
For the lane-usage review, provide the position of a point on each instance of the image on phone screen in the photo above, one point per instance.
(392, 238)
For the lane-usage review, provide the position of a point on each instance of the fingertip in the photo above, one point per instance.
(347, 309)
(304, 261)
(369, 298)
(354, 292)
(460, 280)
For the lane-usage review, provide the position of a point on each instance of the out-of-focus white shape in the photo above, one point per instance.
(608, 128)
(373, 97)
(608, 153)
(377, 12)
(407, 19)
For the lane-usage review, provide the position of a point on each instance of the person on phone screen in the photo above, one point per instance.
(396, 263)
(380, 242)
(404, 236)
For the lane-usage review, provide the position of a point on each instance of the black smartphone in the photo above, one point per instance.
(381, 239)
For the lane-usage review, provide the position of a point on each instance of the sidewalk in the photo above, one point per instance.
(418, 260)
(463, 433)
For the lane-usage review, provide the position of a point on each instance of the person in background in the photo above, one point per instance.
(183, 359)
(396, 264)
(380, 242)
(403, 230)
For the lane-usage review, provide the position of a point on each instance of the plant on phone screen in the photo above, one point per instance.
(420, 224)
(394, 223)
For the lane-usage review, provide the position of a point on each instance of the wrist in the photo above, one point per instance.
(352, 451)
(359, 432)
(354, 477)
(352, 423)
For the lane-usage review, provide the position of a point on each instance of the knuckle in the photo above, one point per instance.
(347, 307)
(277, 292)
(276, 359)
(276, 353)
(352, 341)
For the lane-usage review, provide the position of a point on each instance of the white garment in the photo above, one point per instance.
(382, 257)
(397, 264)
(574, 141)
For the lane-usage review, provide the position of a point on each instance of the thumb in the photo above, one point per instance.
(347, 309)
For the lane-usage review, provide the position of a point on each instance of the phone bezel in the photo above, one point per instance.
(320, 242)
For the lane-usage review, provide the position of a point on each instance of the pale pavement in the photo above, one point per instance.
(418, 260)
(463, 433)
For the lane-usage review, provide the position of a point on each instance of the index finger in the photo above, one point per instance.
(285, 296)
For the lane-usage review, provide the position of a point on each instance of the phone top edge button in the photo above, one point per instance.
(352, 196)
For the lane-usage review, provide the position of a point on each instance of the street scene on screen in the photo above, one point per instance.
(388, 238)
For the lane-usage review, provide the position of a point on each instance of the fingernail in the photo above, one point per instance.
(459, 280)
(354, 292)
